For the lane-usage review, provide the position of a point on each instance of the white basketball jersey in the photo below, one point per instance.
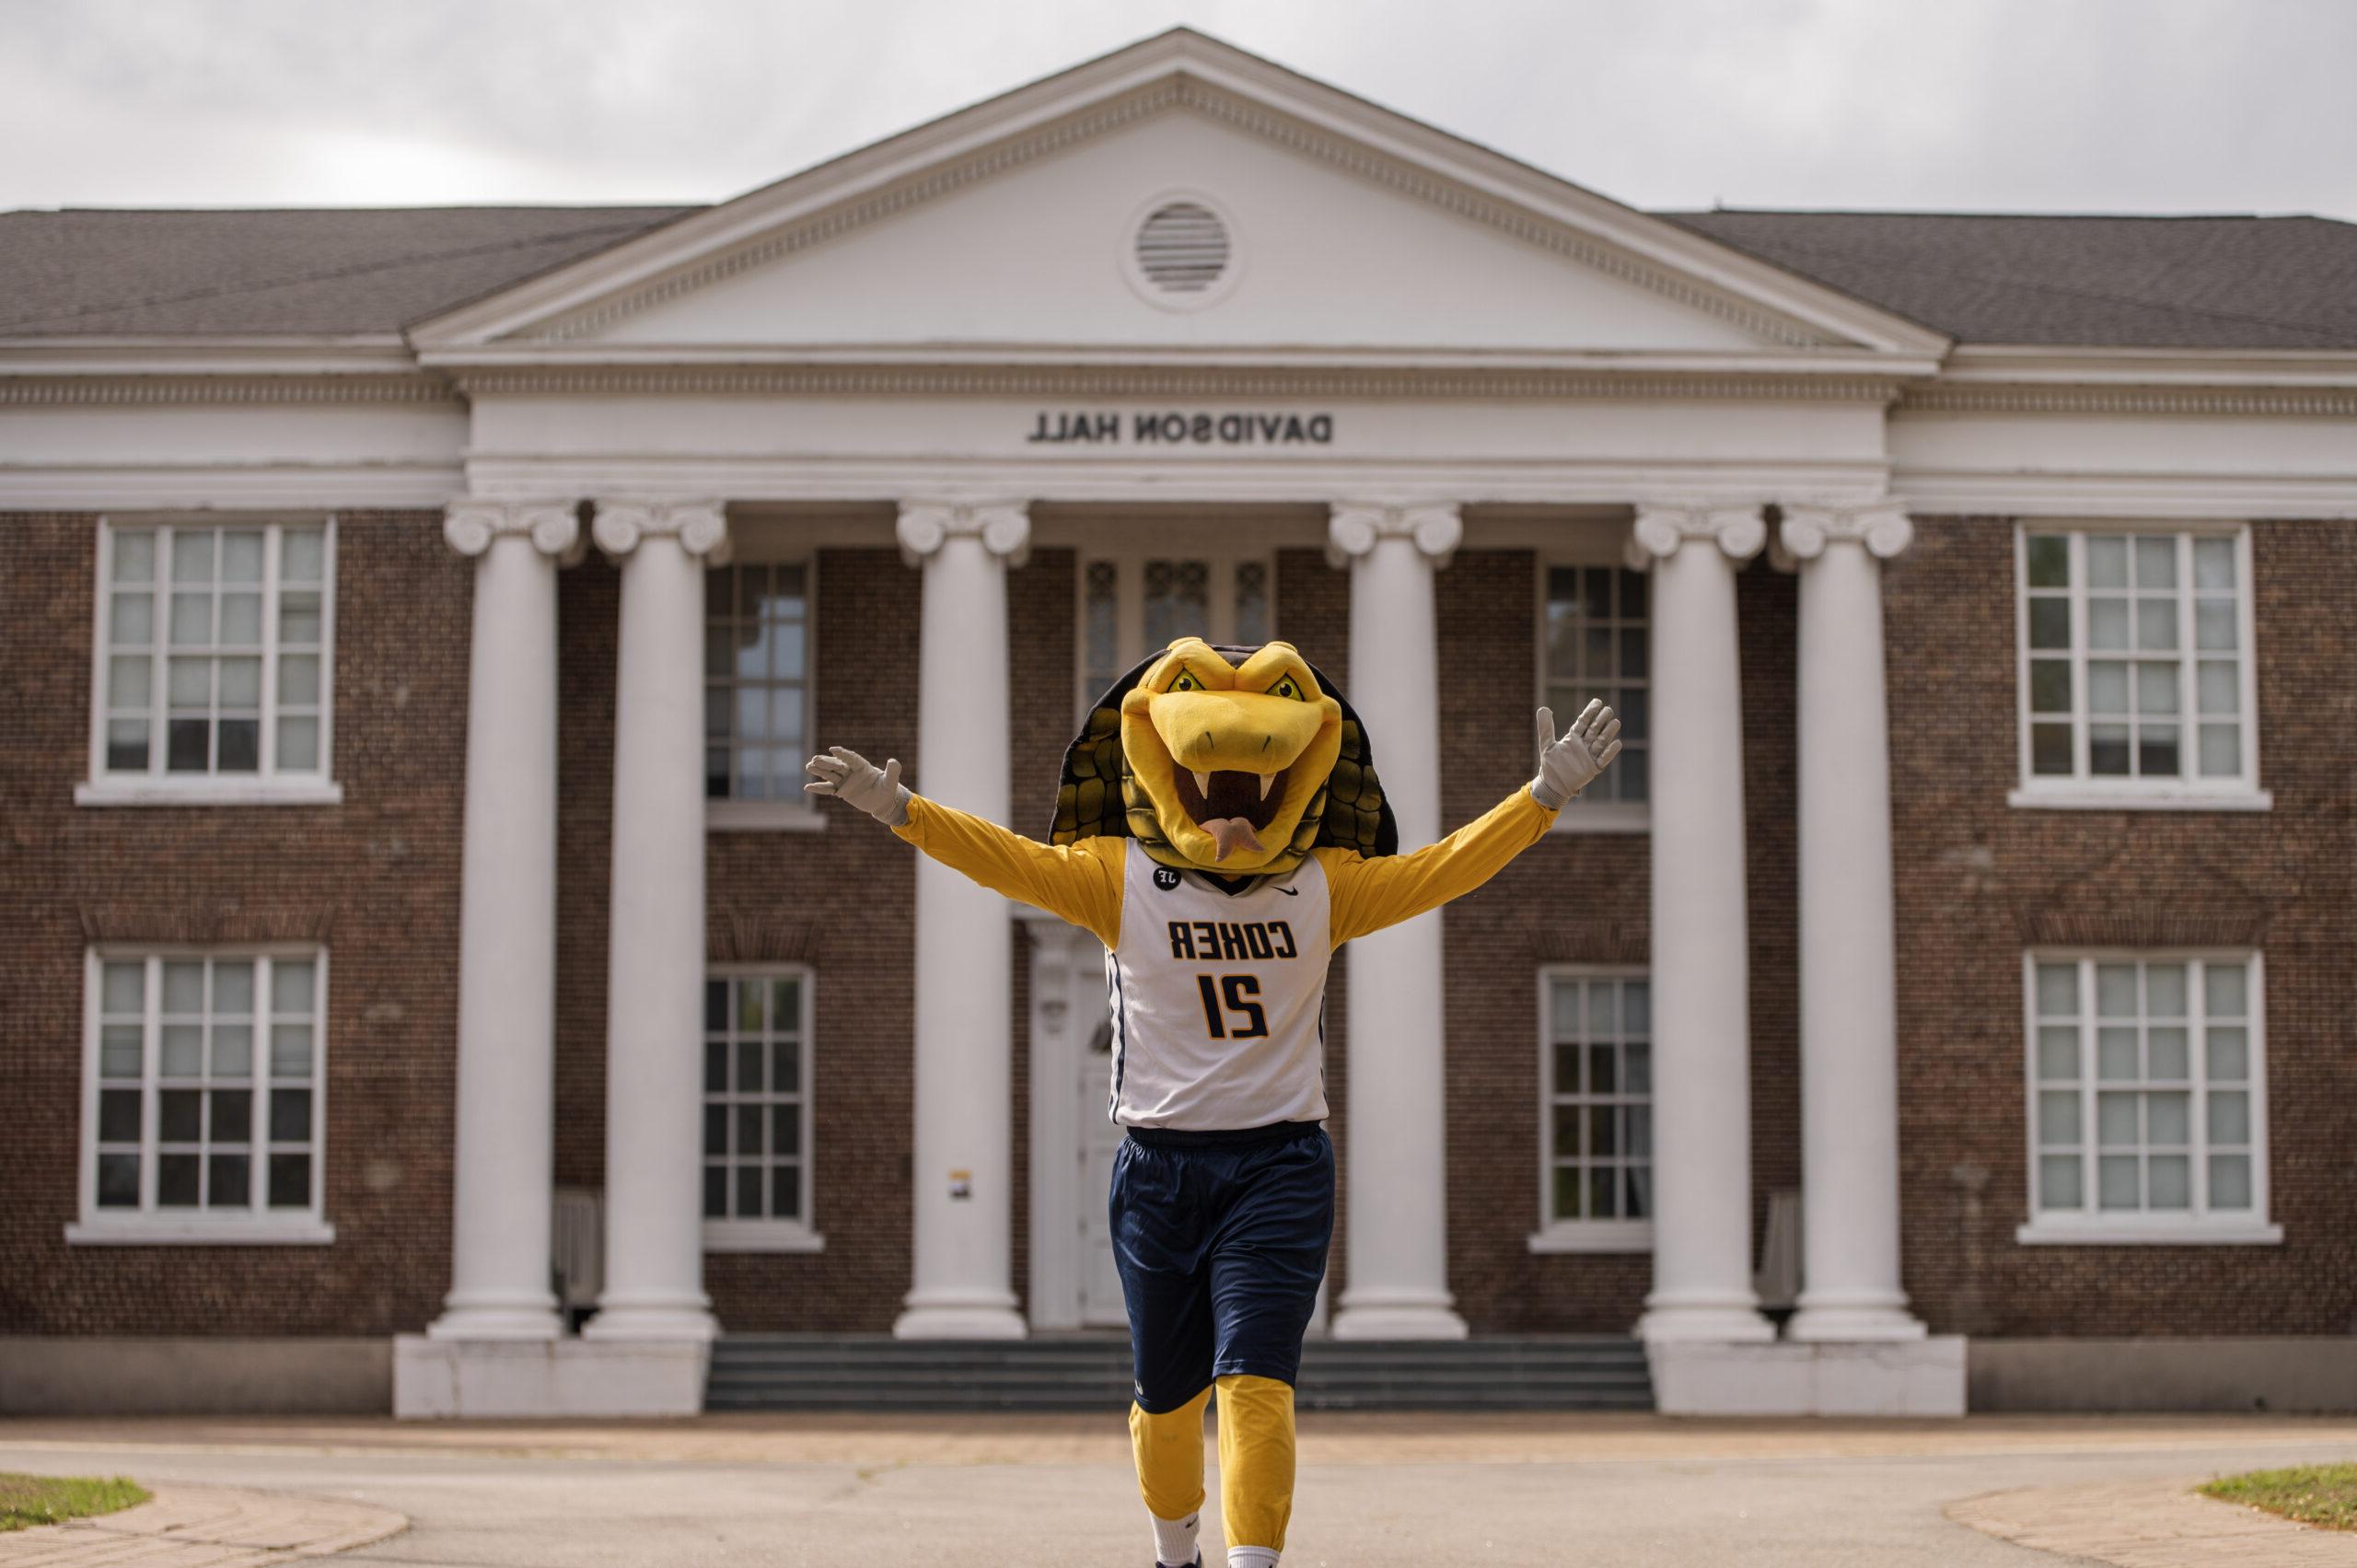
(1218, 1000)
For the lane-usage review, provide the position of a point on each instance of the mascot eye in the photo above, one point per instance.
(1289, 687)
(1186, 682)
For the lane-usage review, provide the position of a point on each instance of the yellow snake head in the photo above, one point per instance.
(1229, 757)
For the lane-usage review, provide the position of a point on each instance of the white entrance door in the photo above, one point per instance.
(1101, 1286)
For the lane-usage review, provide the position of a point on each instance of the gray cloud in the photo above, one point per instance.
(2032, 105)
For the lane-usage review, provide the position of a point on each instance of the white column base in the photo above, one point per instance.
(445, 1379)
(650, 1319)
(1826, 1316)
(497, 1315)
(1697, 1318)
(1396, 1315)
(1922, 1378)
(960, 1315)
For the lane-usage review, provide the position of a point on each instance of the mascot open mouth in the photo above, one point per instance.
(1237, 761)
(1227, 763)
(1230, 805)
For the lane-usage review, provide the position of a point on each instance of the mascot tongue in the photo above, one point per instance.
(1230, 834)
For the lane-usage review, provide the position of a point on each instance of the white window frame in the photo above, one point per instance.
(157, 785)
(2082, 790)
(1129, 621)
(1584, 1235)
(771, 1235)
(2096, 1226)
(148, 1225)
(799, 814)
(1584, 816)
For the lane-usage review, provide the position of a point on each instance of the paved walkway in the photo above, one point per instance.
(2153, 1524)
(203, 1526)
(1376, 1491)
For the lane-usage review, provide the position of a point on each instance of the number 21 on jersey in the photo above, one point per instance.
(1232, 994)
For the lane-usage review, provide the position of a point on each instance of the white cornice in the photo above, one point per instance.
(2024, 365)
(88, 391)
(2236, 497)
(384, 353)
(201, 487)
(2119, 398)
(1179, 71)
(1169, 380)
(1250, 355)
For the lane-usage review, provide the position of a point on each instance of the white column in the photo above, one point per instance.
(961, 1272)
(1848, 978)
(1398, 1286)
(499, 1265)
(1701, 961)
(655, 963)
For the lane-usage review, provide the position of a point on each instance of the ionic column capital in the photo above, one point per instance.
(1738, 531)
(1883, 527)
(1355, 528)
(701, 526)
(553, 527)
(1004, 528)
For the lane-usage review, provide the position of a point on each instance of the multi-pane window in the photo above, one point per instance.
(2135, 658)
(2147, 1088)
(203, 1085)
(1597, 647)
(757, 681)
(1133, 606)
(1597, 1105)
(757, 1096)
(215, 649)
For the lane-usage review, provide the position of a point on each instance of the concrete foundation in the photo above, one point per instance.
(525, 1378)
(1893, 1378)
(45, 1375)
(2305, 1375)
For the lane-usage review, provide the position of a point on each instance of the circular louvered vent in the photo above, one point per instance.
(1182, 250)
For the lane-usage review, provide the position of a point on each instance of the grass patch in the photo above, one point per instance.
(2324, 1495)
(28, 1499)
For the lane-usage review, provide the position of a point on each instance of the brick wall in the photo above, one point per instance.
(376, 877)
(1041, 658)
(843, 901)
(1313, 602)
(1767, 603)
(1583, 899)
(1978, 881)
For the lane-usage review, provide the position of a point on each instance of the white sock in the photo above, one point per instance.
(1251, 1557)
(1174, 1540)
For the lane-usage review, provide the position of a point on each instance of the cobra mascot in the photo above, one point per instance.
(1220, 828)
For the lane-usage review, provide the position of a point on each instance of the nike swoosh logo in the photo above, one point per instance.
(1290, 892)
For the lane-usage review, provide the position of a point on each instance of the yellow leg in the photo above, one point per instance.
(1255, 1459)
(1169, 1451)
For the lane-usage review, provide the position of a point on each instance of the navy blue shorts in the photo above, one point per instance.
(1221, 1241)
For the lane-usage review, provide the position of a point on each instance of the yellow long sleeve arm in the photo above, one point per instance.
(1372, 894)
(1081, 882)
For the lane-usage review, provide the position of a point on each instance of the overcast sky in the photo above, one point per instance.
(2016, 105)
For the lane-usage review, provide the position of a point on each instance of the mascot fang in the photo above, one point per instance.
(1221, 830)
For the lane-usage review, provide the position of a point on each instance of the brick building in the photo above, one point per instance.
(414, 929)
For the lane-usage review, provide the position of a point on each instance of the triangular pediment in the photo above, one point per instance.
(1340, 230)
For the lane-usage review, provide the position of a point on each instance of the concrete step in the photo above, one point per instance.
(937, 1400)
(874, 1372)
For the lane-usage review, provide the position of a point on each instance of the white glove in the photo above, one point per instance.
(858, 782)
(1568, 765)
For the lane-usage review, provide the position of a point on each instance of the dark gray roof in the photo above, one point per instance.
(2114, 282)
(2117, 282)
(332, 271)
